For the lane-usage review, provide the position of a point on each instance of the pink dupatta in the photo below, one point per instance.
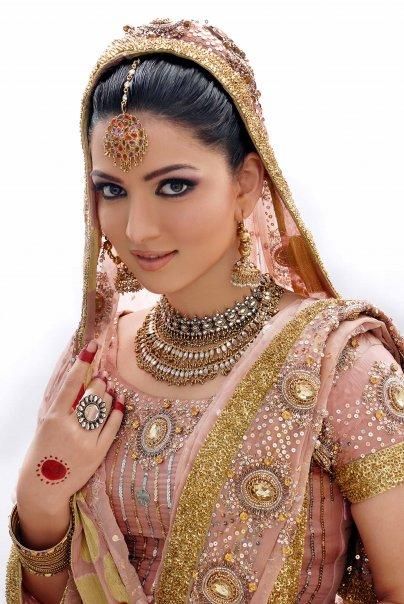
(302, 342)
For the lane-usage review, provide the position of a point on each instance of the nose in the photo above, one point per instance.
(142, 224)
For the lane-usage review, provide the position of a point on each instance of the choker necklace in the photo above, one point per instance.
(181, 350)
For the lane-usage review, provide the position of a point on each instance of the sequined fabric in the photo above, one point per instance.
(328, 523)
(141, 467)
(358, 421)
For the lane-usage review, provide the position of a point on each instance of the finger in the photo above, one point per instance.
(101, 375)
(99, 388)
(75, 379)
(112, 425)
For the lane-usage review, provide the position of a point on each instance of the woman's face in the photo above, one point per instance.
(189, 212)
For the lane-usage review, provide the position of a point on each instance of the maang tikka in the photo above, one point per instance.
(125, 139)
(126, 142)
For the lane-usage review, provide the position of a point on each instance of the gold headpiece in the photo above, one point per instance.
(125, 139)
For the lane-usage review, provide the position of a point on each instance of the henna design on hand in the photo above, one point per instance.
(52, 470)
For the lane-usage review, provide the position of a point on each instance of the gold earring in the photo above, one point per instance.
(125, 281)
(244, 271)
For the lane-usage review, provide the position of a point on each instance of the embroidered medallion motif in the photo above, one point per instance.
(220, 584)
(299, 388)
(384, 395)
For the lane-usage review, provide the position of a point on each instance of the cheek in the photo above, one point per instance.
(205, 222)
(111, 219)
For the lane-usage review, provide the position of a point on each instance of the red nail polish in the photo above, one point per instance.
(118, 405)
(87, 354)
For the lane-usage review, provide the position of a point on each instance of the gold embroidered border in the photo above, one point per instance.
(238, 89)
(355, 589)
(286, 586)
(373, 474)
(13, 578)
(209, 470)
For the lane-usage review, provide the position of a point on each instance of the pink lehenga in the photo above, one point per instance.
(248, 498)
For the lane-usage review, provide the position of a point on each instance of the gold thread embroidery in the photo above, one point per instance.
(212, 463)
(373, 474)
(286, 585)
(13, 578)
(356, 590)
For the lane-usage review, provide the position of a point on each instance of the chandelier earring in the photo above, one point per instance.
(125, 281)
(244, 271)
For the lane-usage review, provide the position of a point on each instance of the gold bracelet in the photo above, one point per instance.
(46, 562)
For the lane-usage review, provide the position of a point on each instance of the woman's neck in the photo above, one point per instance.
(212, 292)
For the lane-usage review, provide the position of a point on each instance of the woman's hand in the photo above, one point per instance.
(63, 455)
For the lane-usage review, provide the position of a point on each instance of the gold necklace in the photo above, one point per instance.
(182, 350)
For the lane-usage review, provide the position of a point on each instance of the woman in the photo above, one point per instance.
(242, 439)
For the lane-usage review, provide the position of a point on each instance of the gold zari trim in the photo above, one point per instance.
(372, 474)
(210, 467)
(13, 577)
(357, 591)
(286, 588)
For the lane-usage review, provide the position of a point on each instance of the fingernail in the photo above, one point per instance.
(117, 404)
(88, 353)
(101, 375)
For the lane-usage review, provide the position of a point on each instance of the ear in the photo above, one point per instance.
(250, 179)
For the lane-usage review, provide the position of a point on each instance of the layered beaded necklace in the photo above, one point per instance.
(181, 350)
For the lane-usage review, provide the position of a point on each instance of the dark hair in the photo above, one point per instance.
(182, 91)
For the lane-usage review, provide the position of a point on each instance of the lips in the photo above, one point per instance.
(152, 261)
(149, 254)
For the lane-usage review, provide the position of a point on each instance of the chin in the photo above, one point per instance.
(161, 283)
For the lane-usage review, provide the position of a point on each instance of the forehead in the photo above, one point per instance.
(167, 141)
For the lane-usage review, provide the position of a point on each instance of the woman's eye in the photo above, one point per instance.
(101, 186)
(174, 187)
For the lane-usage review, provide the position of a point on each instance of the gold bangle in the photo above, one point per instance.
(46, 562)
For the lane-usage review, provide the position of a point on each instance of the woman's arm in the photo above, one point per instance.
(366, 422)
(380, 521)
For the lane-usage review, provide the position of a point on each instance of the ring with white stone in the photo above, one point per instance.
(91, 411)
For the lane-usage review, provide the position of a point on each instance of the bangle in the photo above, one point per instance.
(46, 562)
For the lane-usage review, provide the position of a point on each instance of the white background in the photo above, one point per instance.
(331, 77)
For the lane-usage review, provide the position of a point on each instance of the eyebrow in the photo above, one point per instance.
(148, 176)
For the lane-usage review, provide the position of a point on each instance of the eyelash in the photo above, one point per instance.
(190, 185)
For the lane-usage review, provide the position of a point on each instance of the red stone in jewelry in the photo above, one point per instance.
(125, 141)
(52, 470)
